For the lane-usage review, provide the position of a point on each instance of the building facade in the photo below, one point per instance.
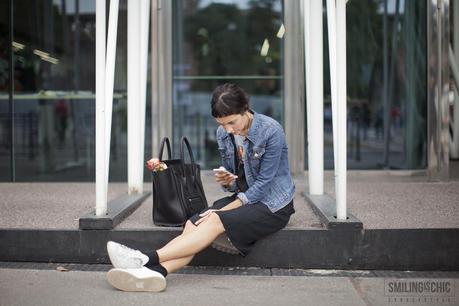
(398, 82)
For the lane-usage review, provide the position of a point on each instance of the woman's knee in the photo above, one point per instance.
(215, 221)
(189, 226)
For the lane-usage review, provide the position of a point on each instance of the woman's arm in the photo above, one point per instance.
(268, 169)
(235, 204)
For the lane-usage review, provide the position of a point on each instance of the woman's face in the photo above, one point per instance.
(233, 124)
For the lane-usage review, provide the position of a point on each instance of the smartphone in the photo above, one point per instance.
(222, 169)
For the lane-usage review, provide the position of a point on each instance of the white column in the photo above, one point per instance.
(110, 79)
(144, 26)
(154, 75)
(138, 14)
(101, 186)
(336, 16)
(314, 87)
(133, 100)
(341, 103)
(331, 21)
(307, 71)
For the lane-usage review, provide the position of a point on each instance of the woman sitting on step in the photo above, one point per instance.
(255, 169)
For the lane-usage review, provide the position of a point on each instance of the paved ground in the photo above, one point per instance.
(59, 205)
(51, 287)
(380, 199)
(304, 218)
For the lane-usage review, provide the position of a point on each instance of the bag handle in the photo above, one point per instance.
(184, 140)
(165, 140)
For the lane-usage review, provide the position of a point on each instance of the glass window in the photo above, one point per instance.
(5, 131)
(223, 41)
(405, 87)
(54, 92)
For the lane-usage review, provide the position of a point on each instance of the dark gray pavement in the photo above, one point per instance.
(380, 199)
(51, 287)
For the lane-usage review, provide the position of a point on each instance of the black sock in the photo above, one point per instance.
(159, 268)
(153, 259)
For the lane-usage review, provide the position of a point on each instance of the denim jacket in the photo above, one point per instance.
(265, 163)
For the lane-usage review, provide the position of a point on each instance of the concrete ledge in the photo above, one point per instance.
(392, 249)
(118, 210)
(325, 208)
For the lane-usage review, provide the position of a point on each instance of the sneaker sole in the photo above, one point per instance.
(125, 281)
(224, 245)
(225, 249)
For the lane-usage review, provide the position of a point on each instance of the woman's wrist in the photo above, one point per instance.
(235, 204)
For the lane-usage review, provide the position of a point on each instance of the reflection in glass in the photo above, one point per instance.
(401, 97)
(53, 90)
(217, 42)
(5, 147)
(54, 86)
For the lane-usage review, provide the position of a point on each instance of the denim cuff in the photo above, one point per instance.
(243, 198)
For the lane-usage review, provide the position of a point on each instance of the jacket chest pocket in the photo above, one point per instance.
(255, 157)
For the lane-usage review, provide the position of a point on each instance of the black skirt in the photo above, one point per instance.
(247, 224)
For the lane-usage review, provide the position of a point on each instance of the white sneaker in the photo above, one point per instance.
(142, 279)
(125, 258)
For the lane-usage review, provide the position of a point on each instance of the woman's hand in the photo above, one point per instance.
(225, 178)
(205, 215)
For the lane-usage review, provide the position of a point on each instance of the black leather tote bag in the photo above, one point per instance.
(177, 191)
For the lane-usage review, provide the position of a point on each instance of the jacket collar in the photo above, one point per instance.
(252, 135)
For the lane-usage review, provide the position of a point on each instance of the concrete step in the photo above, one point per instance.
(408, 224)
(391, 249)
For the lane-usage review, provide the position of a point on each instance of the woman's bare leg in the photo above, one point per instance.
(199, 238)
(175, 264)
(189, 227)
